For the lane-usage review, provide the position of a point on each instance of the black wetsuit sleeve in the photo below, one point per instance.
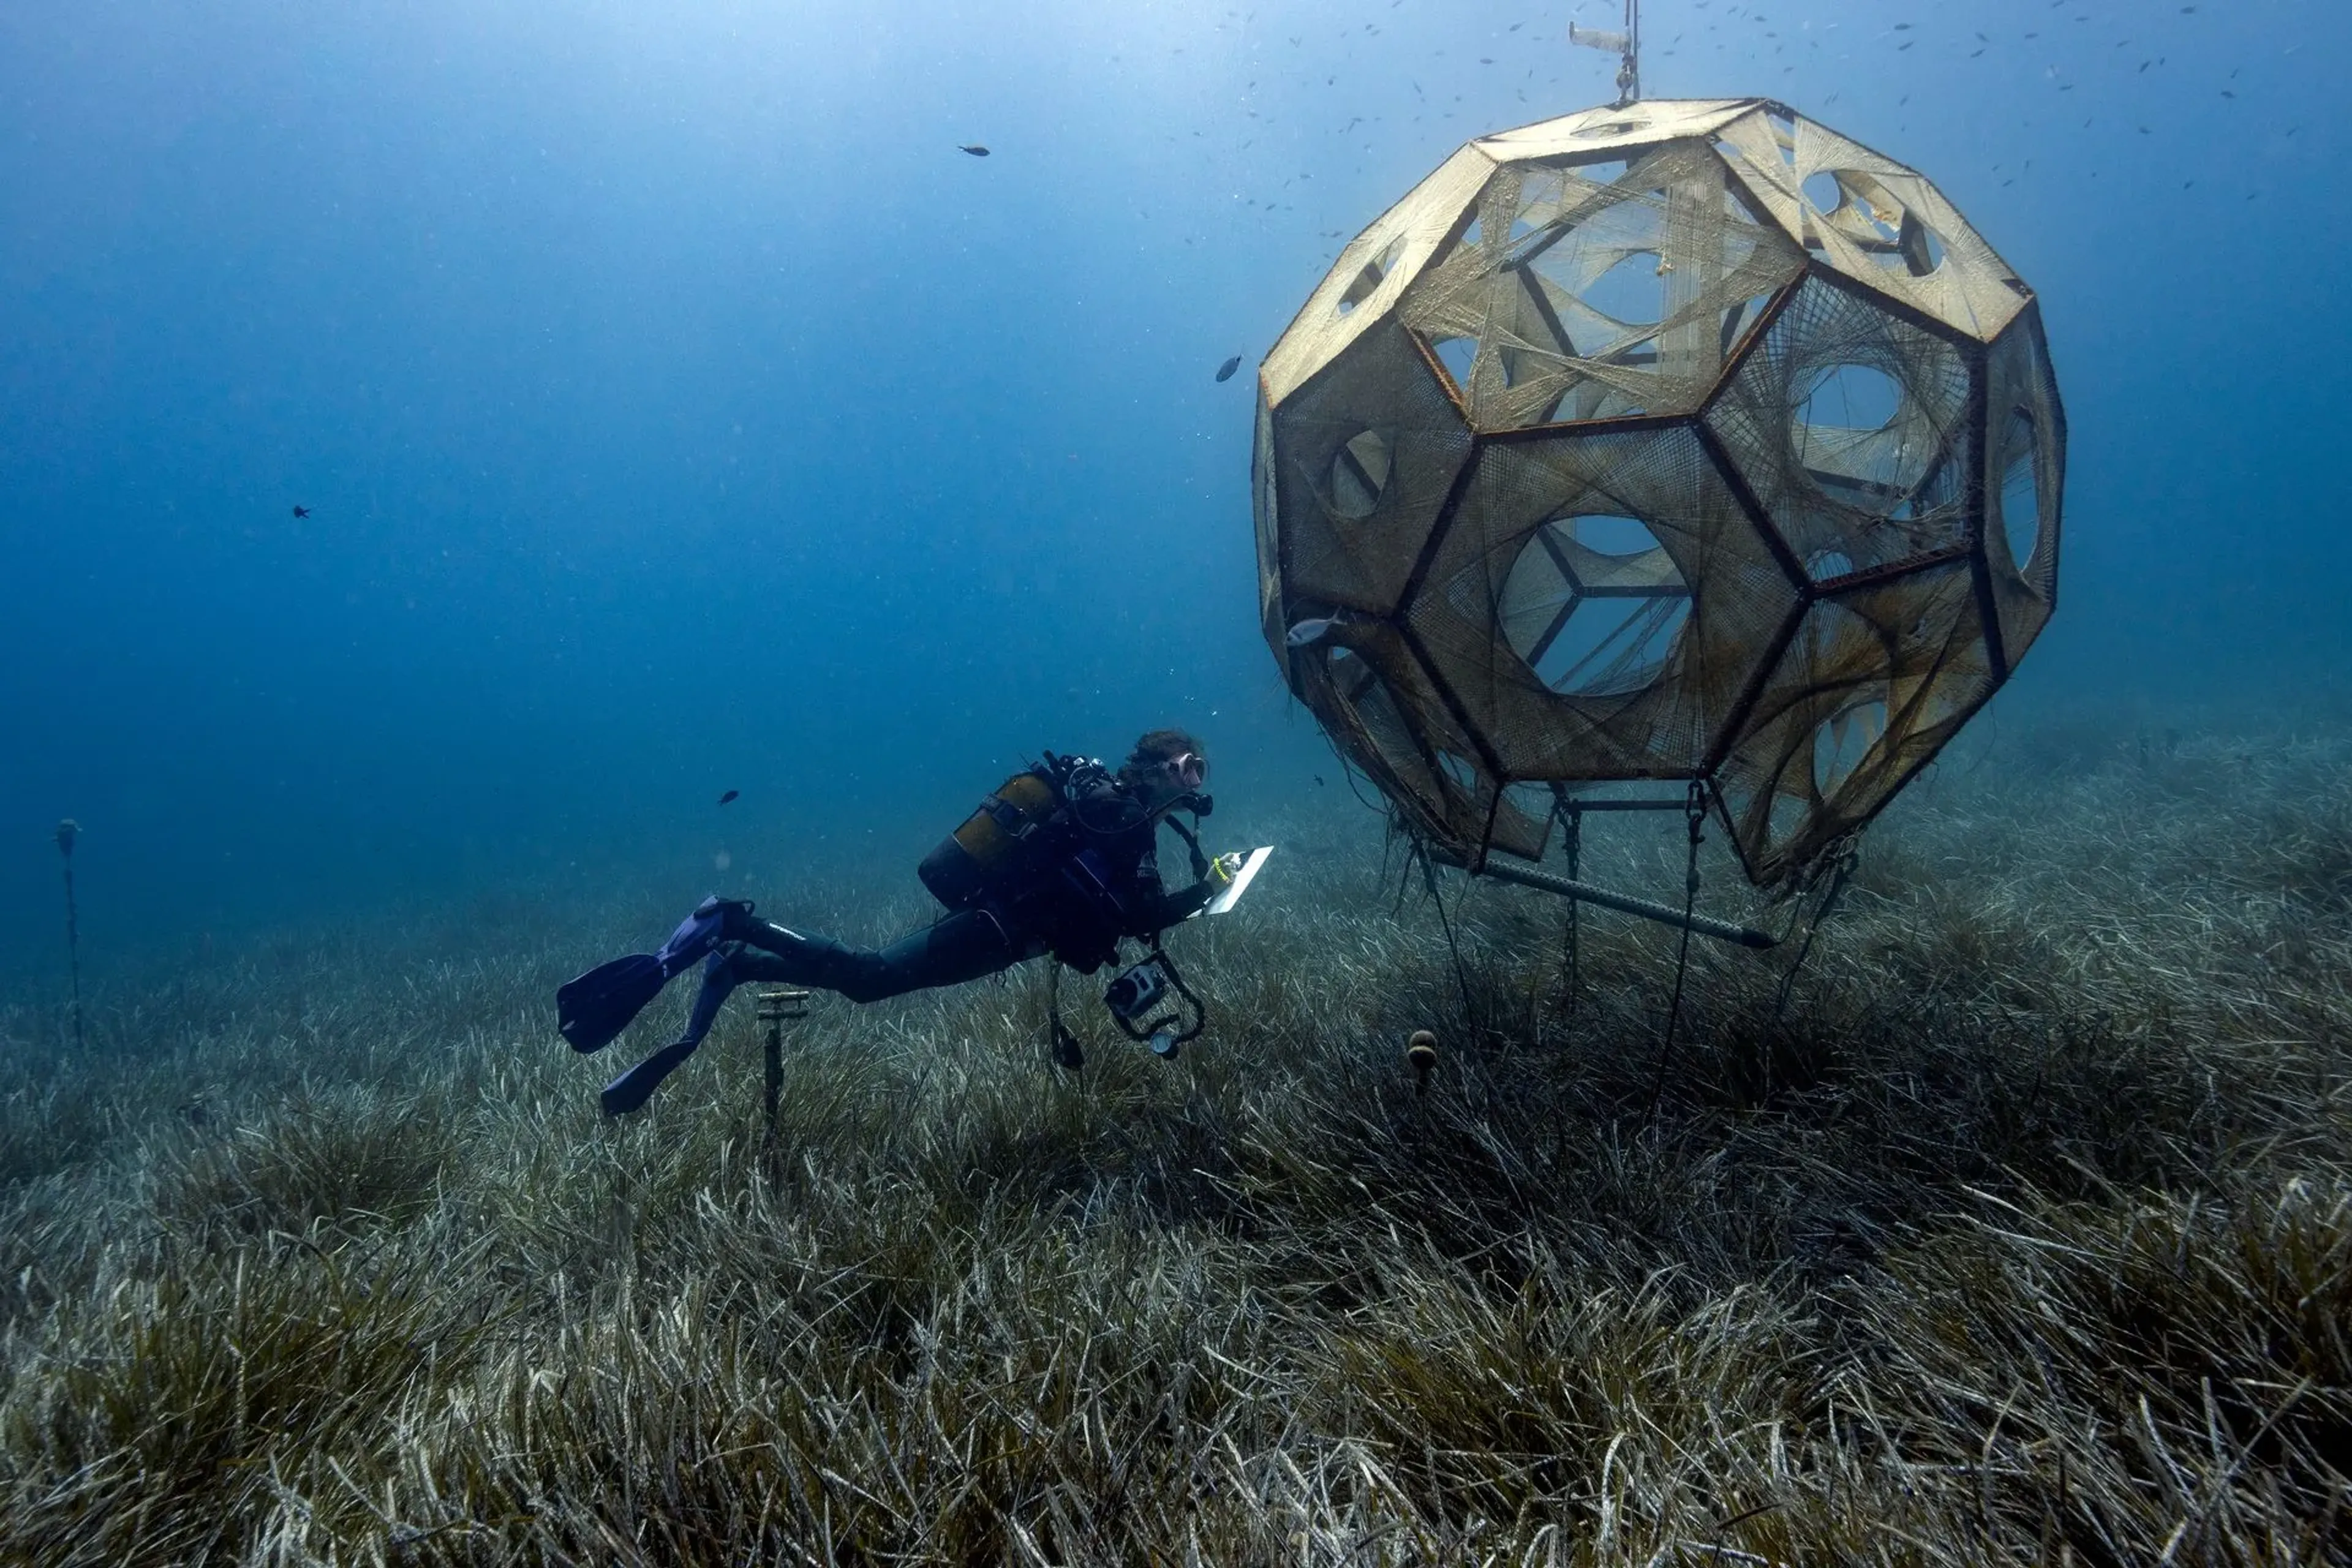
(1129, 844)
(1152, 908)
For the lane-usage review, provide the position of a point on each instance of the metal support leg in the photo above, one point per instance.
(775, 1007)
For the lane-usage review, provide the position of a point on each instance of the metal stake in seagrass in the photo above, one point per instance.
(67, 831)
(775, 1007)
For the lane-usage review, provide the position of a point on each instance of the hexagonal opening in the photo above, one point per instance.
(1849, 434)
(1595, 605)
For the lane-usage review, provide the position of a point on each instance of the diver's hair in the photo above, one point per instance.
(1159, 746)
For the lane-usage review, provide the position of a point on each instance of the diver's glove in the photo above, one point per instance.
(1223, 869)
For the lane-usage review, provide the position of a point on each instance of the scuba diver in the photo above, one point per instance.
(1061, 859)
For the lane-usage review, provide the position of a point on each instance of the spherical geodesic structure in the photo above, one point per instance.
(1675, 441)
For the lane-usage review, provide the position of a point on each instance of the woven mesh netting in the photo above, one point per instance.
(1683, 440)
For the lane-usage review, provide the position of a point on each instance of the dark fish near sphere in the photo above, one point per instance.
(976, 150)
(730, 795)
(1225, 371)
(301, 511)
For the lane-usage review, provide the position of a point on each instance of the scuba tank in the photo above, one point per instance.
(1030, 852)
(992, 846)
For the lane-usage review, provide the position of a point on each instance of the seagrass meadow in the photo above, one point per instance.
(2023, 1232)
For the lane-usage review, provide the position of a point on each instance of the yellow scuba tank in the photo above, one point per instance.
(993, 845)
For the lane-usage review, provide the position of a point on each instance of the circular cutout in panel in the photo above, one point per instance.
(1626, 125)
(1611, 535)
(1883, 226)
(2021, 489)
(1824, 564)
(1366, 283)
(1841, 743)
(1848, 397)
(1823, 191)
(1359, 472)
(1633, 291)
(1850, 435)
(1595, 605)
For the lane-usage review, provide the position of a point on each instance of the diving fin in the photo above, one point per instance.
(591, 1010)
(637, 1086)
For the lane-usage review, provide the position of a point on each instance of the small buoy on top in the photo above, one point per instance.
(1420, 1054)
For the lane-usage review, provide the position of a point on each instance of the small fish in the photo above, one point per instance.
(301, 511)
(1319, 778)
(975, 148)
(1309, 631)
(1225, 371)
(730, 795)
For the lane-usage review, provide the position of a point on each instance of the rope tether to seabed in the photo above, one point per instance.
(1695, 819)
(1572, 843)
(1437, 897)
(1839, 864)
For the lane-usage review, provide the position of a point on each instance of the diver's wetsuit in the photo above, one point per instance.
(1102, 885)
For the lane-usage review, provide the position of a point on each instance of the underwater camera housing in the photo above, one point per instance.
(1130, 995)
(1138, 989)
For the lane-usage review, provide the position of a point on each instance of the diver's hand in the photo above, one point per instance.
(1225, 869)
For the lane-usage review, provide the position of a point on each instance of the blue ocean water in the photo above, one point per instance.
(677, 409)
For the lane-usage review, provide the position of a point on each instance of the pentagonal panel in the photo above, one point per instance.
(1362, 288)
(2025, 473)
(1362, 458)
(1873, 220)
(1876, 678)
(1599, 290)
(1849, 425)
(1614, 130)
(1520, 549)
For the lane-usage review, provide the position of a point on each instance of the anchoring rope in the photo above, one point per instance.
(1437, 897)
(1572, 843)
(1839, 863)
(1695, 816)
